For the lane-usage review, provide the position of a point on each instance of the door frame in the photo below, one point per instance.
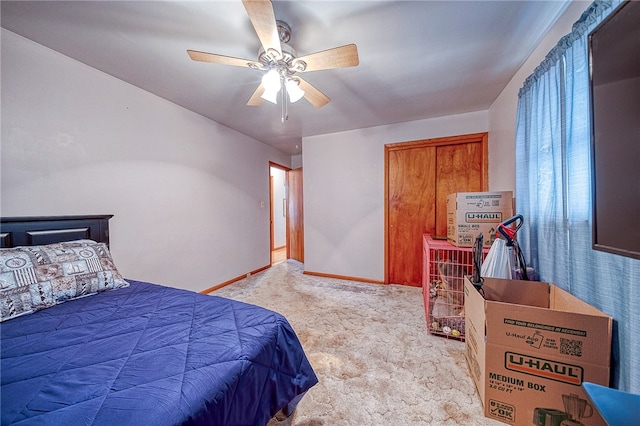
(272, 206)
(433, 142)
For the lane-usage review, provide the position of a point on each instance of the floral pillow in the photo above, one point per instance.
(36, 277)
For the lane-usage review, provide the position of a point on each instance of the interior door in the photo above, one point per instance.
(295, 236)
(412, 210)
(419, 175)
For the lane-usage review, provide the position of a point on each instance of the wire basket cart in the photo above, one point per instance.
(444, 268)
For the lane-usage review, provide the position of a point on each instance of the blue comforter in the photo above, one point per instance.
(150, 355)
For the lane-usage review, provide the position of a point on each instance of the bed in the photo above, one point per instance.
(106, 350)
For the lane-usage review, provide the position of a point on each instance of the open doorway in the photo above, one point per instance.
(278, 202)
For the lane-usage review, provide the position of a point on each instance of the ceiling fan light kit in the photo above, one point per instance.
(280, 62)
(277, 79)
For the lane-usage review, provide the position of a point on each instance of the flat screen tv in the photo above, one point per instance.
(614, 68)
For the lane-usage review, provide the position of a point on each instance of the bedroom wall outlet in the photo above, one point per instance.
(262, 204)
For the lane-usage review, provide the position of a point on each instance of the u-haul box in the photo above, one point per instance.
(471, 213)
(529, 347)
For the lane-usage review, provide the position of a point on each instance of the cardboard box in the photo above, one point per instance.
(529, 347)
(469, 213)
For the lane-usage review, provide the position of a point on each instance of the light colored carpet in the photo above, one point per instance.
(369, 346)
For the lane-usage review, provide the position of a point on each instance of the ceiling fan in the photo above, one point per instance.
(280, 62)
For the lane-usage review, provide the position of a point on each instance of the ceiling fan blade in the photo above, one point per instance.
(255, 99)
(264, 22)
(313, 95)
(338, 57)
(222, 59)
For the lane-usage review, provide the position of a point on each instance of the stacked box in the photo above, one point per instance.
(443, 271)
(530, 346)
(472, 213)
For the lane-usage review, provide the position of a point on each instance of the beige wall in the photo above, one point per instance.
(186, 192)
(344, 192)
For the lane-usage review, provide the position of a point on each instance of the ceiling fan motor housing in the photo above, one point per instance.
(287, 64)
(284, 31)
(288, 60)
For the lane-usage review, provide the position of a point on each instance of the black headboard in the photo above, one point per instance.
(39, 230)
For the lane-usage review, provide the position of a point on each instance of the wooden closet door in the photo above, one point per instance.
(295, 214)
(419, 176)
(411, 206)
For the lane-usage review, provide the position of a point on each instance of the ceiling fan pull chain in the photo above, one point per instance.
(285, 109)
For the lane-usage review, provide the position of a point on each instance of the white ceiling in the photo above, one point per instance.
(418, 59)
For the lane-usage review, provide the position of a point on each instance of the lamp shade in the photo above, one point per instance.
(294, 90)
(271, 84)
(271, 81)
(271, 96)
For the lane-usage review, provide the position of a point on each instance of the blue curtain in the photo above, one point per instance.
(553, 193)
